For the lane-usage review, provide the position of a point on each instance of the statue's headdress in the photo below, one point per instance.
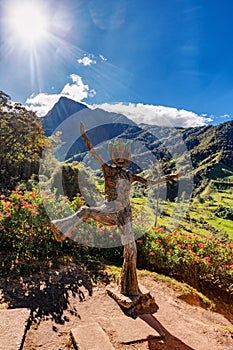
(120, 152)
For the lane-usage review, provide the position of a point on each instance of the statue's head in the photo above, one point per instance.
(120, 153)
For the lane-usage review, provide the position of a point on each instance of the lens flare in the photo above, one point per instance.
(27, 23)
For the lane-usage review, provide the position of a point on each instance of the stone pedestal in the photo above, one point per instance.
(143, 303)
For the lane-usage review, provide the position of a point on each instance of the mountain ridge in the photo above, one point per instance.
(209, 147)
(61, 110)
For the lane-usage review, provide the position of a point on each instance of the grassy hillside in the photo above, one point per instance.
(208, 214)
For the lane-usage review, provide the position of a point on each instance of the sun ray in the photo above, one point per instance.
(27, 22)
(34, 34)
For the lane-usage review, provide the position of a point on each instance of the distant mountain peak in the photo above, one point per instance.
(67, 100)
(67, 105)
(62, 109)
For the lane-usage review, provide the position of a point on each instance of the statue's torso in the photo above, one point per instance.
(117, 185)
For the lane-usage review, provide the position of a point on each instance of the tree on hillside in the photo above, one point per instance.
(21, 143)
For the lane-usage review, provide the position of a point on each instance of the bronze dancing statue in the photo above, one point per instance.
(116, 209)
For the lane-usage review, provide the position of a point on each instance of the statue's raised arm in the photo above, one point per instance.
(159, 180)
(89, 145)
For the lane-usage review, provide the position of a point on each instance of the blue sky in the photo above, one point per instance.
(152, 60)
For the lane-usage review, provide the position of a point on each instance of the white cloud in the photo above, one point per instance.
(103, 58)
(76, 91)
(225, 116)
(86, 61)
(42, 102)
(139, 113)
(157, 115)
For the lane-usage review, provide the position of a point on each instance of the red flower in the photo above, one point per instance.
(207, 258)
(229, 266)
(181, 245)
(139, 241)
(158, 241)
(201, 245)
(8, 205)
(34, 212)
(175, 233)
(227, 245)
(139, 222)
(152, 253)
(190, 247)
(25, 204)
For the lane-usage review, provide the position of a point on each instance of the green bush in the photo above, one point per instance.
(21, 143)
(27, 244)
(224, 212)
(26, 239)
(204, 263)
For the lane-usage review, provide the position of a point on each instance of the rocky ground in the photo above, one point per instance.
(63, 299)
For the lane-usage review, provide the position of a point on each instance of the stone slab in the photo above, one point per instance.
(13, 323)
(127, 330)
(91, 337)
(143, 303)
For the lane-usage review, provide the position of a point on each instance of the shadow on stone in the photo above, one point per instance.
(167, 340)
(47, 294)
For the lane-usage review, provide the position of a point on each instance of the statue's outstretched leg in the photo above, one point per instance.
(103, 214)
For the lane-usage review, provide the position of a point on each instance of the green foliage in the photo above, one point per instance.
(27, 244)
(21, 143)
(203, 215)
(224, 212)
(204, 263)
(26, 240)
(67, 178)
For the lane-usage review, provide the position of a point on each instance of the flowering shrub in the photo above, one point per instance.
(27, 243)
(204, 263)
(26, 240)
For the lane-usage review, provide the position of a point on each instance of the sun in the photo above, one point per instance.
(28, 23)
(33, 36)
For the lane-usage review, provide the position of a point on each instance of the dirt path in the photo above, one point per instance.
(62, 300)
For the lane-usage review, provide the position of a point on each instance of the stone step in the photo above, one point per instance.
(91, 337)
(126, 330)
(123, 330)
(13, 325)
